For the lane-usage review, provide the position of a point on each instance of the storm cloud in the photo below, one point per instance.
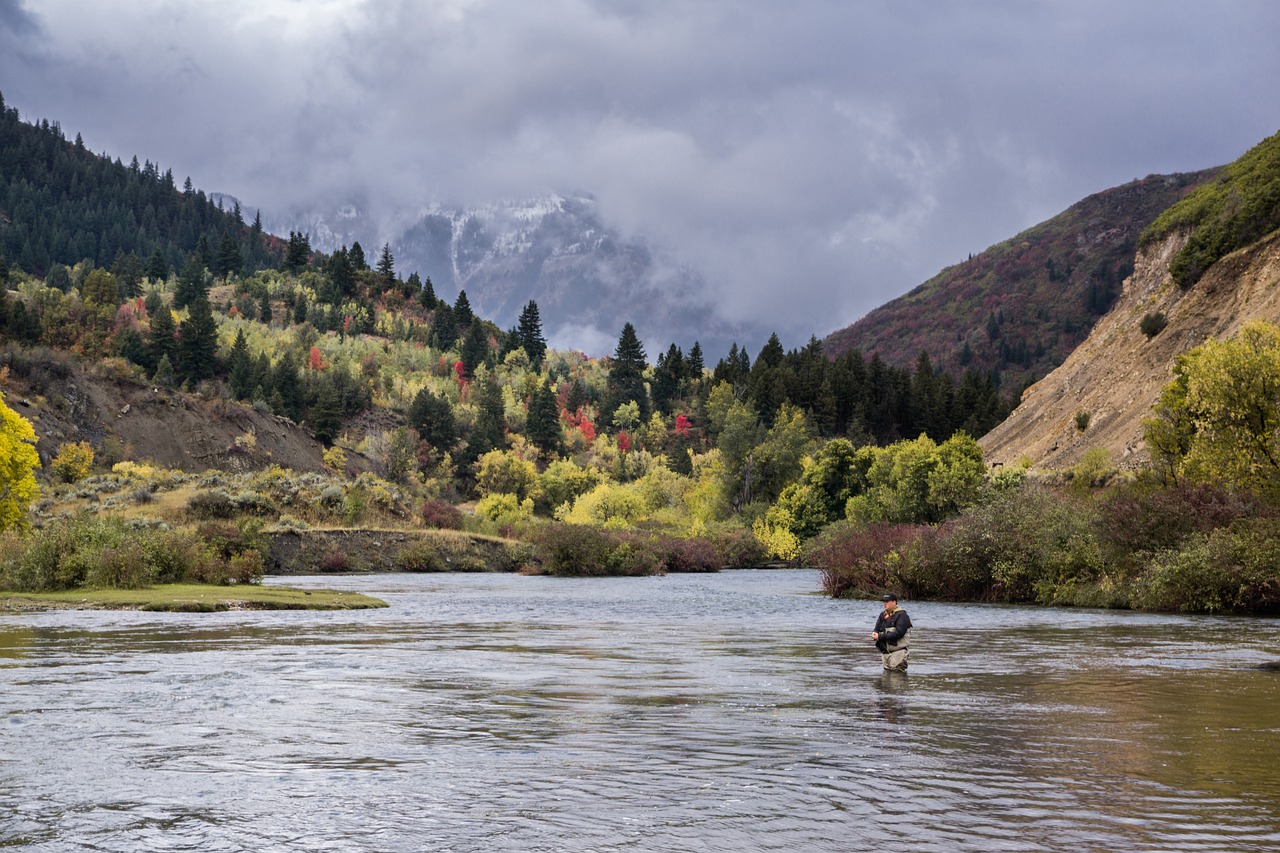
(811, 159)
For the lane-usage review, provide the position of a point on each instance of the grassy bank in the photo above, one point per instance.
(190, 598)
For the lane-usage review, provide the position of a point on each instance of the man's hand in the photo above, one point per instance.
(874, 635)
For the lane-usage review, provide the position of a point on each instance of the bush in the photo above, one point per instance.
(1082, 421)
(1228, 570)
(579, 550)
(212, 504)
(73, 462)
(441, 515)
(687, 555)
(335, 560)
(857, 561)
(1153, 324)
(737, 548)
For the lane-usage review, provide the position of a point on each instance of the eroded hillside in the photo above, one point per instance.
(1116, 375)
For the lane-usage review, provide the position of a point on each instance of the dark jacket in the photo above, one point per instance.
(892, 630)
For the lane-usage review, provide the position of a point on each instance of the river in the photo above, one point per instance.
(732, 712)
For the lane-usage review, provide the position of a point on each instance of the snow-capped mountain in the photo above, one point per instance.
(586, 278)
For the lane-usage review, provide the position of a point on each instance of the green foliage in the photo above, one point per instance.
(1219, 420)
(1241, 206)
(1153, 324)
(920, 481)
(1082, 420)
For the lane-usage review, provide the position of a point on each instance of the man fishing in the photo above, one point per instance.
(890, 635)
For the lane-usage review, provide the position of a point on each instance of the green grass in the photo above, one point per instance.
(192, 598)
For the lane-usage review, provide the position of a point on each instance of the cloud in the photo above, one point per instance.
(811, 159)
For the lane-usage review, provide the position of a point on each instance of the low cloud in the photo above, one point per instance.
(811, 160)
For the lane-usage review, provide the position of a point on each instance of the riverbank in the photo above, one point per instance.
(190, 598)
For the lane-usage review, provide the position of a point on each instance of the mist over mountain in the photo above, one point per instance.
(587, 278)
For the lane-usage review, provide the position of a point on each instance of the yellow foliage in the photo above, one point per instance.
(73, 462)
(18, 462)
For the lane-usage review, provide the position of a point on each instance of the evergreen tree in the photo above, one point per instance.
(297, 252)
(475, 348)
(326, 414)
(576, 398)
(190, 285)
(264, 308)
(286, 390)
(161, 342)
(529, 332)
(427, 298)
(357, 257)
(157, 269)
(444, 329)
(198, 342)
(543, 425)
(128, 272)
(203, 254)
(626, 375)
(489, 431)
(300, 310)
(386, 267)
(462, 309)
(432, 417)
(229, 260)
(342, 281)
(240, 368)
(164, 376)
(693, 363)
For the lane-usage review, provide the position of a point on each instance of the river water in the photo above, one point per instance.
(731, 712)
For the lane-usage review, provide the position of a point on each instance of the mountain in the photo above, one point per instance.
(586, 277)
(1023, 305)
(1206, 266)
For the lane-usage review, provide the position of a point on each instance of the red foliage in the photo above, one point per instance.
(682, 425)
(315, 361)
(624, 442)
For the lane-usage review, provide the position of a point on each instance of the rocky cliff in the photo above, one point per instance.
(1116, 375)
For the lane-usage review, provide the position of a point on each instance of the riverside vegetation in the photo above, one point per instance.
(459, 445)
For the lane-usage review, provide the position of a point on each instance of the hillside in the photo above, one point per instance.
(1023, 305)
(1116, 375)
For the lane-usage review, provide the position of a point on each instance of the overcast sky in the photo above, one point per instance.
(812, 159)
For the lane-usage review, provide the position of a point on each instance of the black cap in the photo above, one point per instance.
(889, 597)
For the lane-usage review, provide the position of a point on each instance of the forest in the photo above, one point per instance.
(435, 419)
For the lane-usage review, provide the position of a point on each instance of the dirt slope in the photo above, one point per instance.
(1117, 373)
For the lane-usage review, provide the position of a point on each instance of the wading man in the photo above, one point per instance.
(890, 635)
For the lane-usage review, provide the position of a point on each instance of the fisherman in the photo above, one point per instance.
(891, 635)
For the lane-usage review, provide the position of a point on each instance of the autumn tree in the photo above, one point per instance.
(18, 462)
(1219, 420)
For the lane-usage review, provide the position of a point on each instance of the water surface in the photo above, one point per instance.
(739, 711)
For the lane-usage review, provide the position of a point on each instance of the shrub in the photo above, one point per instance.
(73, 462)
(737, 548)
(440, 514)
(1228, 570)
(1153, 324)
(211, 504)
(335, 560)
(579, 550)
(1082, 421)
(688, 555)
(122, 566)
(861, 561)
(247, 567)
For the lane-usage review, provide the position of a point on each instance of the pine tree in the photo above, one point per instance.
(264, 308)
(326, 414)
(489, 432)
(694, 366)
(475, 349)
(286, 390)
(240, 368)
(300, 310)
(357, 257)
(626, 375)
(432, 417)
(529, 331)
(157, 269)
(229, 260)
(427, 298)
(543, 425)
(202, 252)
(190, 285)
(462, 309)
(444, 329)
(161, 343)
(297, 252)
(387, 267)
(198, 342)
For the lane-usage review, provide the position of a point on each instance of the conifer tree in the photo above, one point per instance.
(161, 343)
(427, 298)
(157, 269)
(357, 257)
(462, 309)
(203, 254)
(229, 260)
(164, 376)
(543, 425)
(264, 308)
(326, 414)
(240, 368)
(286, 390)
(198, 342)
(529, 331)
(300, 310)
(190, 285)
(475, 349)
(387, 267)
(693, 363)
(297, 252)
(489, 432)
(432, 417)
(626, 375)
(444, 329)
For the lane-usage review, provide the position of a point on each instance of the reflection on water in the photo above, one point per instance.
(731, 712)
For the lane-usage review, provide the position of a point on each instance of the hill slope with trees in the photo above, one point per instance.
(1019, 308)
